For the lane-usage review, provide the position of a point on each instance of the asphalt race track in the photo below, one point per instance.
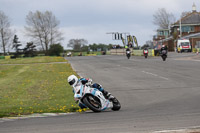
(155, 96)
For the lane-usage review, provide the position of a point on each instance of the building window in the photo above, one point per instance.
(160, 33)
(163, 33)
(197, 44)
(166, 33)
(187, 28)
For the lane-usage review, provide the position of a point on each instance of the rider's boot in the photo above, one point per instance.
(107, 95)
(110, 97)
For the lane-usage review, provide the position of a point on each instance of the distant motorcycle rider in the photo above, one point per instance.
(163, 52)
(145, 48)
(164, 48)
(128, 53)
(145, 52)
(128, 50)
(75, 82)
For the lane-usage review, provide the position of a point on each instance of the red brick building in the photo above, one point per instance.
(188, 27)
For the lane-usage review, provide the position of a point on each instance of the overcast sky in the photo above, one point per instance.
(92, 19)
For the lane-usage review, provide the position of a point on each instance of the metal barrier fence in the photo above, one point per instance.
(4, 57)
(133, 51)
(195, 50)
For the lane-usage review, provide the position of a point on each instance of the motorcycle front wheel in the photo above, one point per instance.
(116, 104)
(92, 103)
(128, 56)
(164, 57)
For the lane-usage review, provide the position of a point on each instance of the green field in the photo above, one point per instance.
(35, 87)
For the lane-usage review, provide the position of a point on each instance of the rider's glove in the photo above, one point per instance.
(83, 81)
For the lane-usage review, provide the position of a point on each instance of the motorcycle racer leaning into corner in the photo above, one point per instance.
(75, 82)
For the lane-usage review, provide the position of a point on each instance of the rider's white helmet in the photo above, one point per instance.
(72, 80)
(163, 46)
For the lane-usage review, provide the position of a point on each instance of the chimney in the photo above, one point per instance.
(194, 8)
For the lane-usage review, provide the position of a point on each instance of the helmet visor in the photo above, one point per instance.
(72, 82)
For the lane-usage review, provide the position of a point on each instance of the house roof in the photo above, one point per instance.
(190, 19)
(166, 39)
(195, 35)
(162, 29)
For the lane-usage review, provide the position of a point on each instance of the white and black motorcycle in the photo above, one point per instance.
(94, 99)
(128, 54)
(164, 54)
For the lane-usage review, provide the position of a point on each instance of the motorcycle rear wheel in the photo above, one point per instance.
(92, 103)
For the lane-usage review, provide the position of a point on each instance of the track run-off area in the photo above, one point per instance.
(156, 96)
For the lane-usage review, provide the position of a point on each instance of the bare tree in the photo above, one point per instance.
(77, 44)
(163, 19)
(5, 32)
(43, 28)
(185, 14)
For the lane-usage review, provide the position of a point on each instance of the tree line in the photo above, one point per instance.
(79, 45)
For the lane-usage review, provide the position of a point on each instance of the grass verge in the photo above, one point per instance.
(30, 60)
(35, 88)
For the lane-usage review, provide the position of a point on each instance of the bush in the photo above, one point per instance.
(55, 50)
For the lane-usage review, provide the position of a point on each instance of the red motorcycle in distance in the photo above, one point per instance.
(145, 52)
